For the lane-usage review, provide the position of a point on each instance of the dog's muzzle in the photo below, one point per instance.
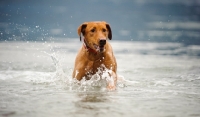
(102, 42)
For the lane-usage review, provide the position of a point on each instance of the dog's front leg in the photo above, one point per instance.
(112, 82)
(78, 74)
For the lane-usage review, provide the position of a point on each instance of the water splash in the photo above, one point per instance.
(122, 82)
(98, 81)
(59, 74)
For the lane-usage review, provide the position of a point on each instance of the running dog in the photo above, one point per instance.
(95, 52)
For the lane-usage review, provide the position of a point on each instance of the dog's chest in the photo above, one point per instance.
(93, 66)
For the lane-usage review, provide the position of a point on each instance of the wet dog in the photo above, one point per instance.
(95, 52)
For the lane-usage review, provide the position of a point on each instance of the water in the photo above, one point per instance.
(157, 80)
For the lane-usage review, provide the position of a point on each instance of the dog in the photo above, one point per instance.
(95, 52)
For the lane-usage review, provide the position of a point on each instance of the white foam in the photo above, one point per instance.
(99, 80)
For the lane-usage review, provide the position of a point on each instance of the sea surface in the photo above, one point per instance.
(156, 80)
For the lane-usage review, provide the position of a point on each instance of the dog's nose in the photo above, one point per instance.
(102, 41)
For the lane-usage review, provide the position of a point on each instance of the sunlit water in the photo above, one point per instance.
(157, 80)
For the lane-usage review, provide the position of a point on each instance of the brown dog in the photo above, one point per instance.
(95, 52)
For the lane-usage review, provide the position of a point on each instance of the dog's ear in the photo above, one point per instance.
(81, 29)
(109, 31)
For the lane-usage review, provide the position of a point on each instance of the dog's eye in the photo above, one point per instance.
(93, 30)
(104, 30)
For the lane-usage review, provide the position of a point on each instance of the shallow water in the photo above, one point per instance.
(160, 80)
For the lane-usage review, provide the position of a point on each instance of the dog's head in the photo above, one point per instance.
(95, 34)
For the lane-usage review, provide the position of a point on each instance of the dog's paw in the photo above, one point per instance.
(111, 87)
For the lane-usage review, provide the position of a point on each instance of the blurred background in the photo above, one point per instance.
(131, 20)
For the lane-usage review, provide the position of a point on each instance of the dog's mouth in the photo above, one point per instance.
(99, 48)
